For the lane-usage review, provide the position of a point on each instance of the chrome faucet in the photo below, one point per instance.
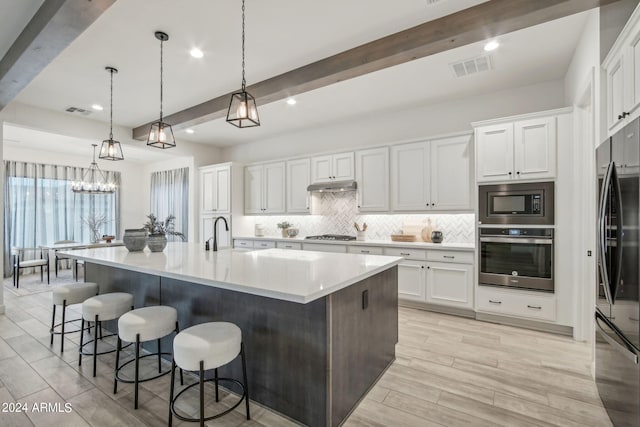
(215, 233)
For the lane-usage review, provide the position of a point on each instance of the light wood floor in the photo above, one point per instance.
(449, 371)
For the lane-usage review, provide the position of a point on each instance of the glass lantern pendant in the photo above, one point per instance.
(111, 149)
(161, 133)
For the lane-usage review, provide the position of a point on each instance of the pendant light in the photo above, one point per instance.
(161, 133)
(243, 111)
(110, 149)
(94, 181)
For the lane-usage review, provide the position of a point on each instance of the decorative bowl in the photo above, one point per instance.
(108, 239)
(292, 232)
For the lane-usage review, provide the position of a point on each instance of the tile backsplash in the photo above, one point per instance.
(336, 213)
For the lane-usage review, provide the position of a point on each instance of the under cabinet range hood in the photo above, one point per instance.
(333, 187)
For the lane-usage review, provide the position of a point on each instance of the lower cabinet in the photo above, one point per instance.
(526, 304)
(411, 280)
(450, 284)
(322, 247)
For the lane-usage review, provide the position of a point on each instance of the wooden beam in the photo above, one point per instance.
(486, 20)
(53, 27)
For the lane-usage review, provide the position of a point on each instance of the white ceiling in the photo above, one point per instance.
(281, 35)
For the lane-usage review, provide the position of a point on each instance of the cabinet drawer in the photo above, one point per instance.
(260, 244)
(418, 254)
(242, 243)
(366, 250)
(289, 245)
(450, 256)
(517, 303)
(325, 248)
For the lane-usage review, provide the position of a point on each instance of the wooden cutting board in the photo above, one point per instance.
(414, 229)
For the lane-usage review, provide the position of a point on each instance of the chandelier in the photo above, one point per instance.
(94, 181)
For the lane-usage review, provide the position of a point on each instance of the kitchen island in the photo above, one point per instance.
(319, 328)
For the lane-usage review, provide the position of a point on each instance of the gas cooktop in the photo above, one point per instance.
(331, 237)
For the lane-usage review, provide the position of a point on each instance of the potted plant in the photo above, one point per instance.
(283, 227)
(158, 230)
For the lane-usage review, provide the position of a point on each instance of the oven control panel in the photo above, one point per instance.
(516, 232)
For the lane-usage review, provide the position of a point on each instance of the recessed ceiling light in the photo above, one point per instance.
(97, 107)
(196, 53)
(492, 45)
(291, 101)
(190, 131)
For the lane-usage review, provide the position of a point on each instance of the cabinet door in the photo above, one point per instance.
(207, 185)
(633, 63)
(411, 281)
(494, 148)
(274, 188)
(222, 189)
(253, 189)
(321, 169)
(298, 179)
(450, 284)
(342, 165)
(535, 148)
(615, 92)
(372, 176)
(206, 231)
(410, 177)
(451, 173)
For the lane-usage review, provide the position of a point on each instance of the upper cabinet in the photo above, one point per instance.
(432, 175)
(372, 177)
(516, 150)
(298, 179)
(264, 188)
(334, 167)
(215, 189)
(622, 70)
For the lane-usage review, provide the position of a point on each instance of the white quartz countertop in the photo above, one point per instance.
(297, 276)
(384, 243)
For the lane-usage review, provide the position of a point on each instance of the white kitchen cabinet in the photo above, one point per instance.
(622, 71)
(289, 245)
(517, 150)
(412, 280)
(264, 191)
(323, 247)
(365, 250)
(372, 176)
(519, 303)
(333, 167)
(450, 284)
(243, 243)
(298, 179)
(432, 175)
(264, 244)
(215, 189)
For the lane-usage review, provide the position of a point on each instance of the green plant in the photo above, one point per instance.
(153, 226)
(284, 225)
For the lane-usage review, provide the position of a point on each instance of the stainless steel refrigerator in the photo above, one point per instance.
(617, 313)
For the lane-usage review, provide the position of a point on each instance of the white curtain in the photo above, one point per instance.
(170, 196)
(40, 207)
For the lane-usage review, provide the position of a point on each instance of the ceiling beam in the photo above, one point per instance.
(481, 22)
(54, 26)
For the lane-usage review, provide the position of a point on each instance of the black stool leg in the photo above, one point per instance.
(201, 393)
(42, 273)
(53, 322)
(173, 381)
(135, 380)
(81, 337)
(95, 348)
(64, 312)
(216, 380)
(115, 376)
(244, 378)
(181, 378)
(159, 358)
(48, 277)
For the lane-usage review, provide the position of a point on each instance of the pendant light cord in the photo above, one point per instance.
(110, 110)
(244, 82)
(161, 71)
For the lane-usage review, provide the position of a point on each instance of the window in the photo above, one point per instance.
(170, 196)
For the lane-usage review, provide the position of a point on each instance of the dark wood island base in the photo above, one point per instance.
(310, 362)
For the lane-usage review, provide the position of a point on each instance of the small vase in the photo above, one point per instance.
(156, 242)
(135, 239)
(437, 237)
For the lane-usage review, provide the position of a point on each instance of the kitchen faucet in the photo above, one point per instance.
(215, 233)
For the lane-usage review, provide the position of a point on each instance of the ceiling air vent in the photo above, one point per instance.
(466, 67)
(78, 110)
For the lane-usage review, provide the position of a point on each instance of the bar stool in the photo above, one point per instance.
(74, 293)
(203, 347)
(101, 308)
(140, 325)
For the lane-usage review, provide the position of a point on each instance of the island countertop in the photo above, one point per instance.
(295, 276)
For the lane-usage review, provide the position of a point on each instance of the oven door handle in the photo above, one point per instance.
(525, 241)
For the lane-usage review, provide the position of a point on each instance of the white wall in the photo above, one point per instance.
(429, 120)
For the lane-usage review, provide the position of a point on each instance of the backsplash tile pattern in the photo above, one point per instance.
(337, 212)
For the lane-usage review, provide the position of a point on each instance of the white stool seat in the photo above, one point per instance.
(34, 263)
(150, 322)
(107, 306)
(214, 343)
(74, 293)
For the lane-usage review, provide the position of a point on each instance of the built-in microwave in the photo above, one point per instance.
(521, 203)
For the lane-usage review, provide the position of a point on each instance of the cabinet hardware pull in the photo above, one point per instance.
(422, 266)
(495, 302)
(535, 307)
(448, 256)
(428, 267)
(509, 173)
(518, 173)
(288, 246)
(365, 252)
(404, 254)
(433, 204)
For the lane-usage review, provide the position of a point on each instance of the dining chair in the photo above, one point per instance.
(60, 258)
(30, 258)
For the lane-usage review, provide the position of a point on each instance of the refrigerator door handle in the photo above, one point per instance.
(622, 347)
(615, 185)
(602, 237)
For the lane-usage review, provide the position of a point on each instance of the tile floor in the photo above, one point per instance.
(449, 371)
